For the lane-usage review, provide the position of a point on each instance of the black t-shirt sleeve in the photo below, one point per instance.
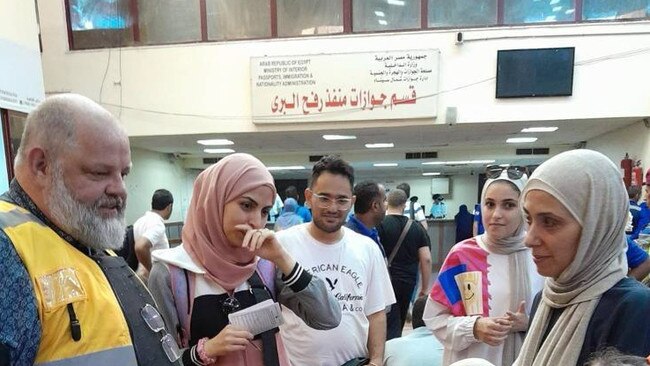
(533, 308)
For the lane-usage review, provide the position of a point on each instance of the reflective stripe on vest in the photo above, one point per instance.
(62, 275)
(112, 357)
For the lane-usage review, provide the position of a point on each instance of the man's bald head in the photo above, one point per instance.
(72, 164)
(56, 123)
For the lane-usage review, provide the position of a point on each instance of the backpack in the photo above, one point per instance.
(182, 283)
(128, 249)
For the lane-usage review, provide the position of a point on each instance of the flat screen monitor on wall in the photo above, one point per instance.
(542, 72)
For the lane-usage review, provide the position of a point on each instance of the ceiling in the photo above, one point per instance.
(478, 141)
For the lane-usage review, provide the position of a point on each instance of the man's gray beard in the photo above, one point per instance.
(84, 222)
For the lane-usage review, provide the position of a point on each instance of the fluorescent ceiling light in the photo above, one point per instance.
(539, 129)
(556, 9)
(553, 2)
(550, 18)
(431, 173)
(458, 162)
(216, 142)
(380, 145)
(482, 161)
(339, 137)
(520, 140)
(379, 13)
(396, 2)
(570, 11)
(218, 151)
(291, 167)
(384, 164)
(382, 22)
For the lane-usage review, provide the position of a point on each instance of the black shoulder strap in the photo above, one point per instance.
(269, 346)
(132, 295)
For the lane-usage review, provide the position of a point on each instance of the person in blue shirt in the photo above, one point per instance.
(634, 193)
(638, 260)
(369, 210)
(478, 228)
(439, 208)
(419, 347)
(302, 211)
(644, 215)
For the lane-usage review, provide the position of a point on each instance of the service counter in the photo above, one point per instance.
(442, 233)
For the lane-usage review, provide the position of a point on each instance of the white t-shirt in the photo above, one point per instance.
(355, 271)
(419, 212)
(457, 332)
(152, 227)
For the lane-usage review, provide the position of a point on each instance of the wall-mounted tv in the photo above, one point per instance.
(542, 72)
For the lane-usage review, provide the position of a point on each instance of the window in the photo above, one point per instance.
(169, 21)
(13, 124)
(380, 15)
(538, 11)
(238, 19)
(100, 23)
(304, 17)
(445, 13)
(615, 9)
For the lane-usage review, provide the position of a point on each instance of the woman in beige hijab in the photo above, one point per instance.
(576, 206)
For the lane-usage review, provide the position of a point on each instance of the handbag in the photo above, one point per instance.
(358, 361)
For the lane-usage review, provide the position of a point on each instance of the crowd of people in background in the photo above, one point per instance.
(550, 274)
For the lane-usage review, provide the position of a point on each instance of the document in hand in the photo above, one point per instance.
(259, 317)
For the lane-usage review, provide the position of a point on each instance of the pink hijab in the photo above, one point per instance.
(203, 235)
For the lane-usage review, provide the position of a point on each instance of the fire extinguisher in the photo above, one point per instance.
(637, 174)
(626, 169)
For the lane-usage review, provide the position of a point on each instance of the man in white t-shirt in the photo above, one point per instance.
(413, 209)
(149, 230)
(350, 264)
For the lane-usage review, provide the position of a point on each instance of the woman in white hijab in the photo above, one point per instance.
(479, 303)
(576, 206)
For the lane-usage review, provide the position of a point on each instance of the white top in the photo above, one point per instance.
(456, 333)
(152, 227)
(355, 271)
(419, 212)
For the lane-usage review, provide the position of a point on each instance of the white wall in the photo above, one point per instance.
(463, 190)
(18, 23)
(20, 67)
(634, 140)
(153, 171)
(212, 80)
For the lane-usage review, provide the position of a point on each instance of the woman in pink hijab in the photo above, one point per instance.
(228, 262)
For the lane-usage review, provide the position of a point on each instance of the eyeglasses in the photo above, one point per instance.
(230, 305)
(155, 322)
(514, 171)
(342, 204)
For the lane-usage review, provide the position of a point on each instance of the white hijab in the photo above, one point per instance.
(590, 186)
(518, 263)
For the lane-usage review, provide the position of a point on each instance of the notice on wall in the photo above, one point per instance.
(21, 79)
(345, 87)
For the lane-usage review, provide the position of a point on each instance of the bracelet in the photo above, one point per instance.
(200, 350)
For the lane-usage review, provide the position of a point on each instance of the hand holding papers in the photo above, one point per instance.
(258, 318)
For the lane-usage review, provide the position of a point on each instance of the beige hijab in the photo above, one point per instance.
(590, 186)
(518, 262)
